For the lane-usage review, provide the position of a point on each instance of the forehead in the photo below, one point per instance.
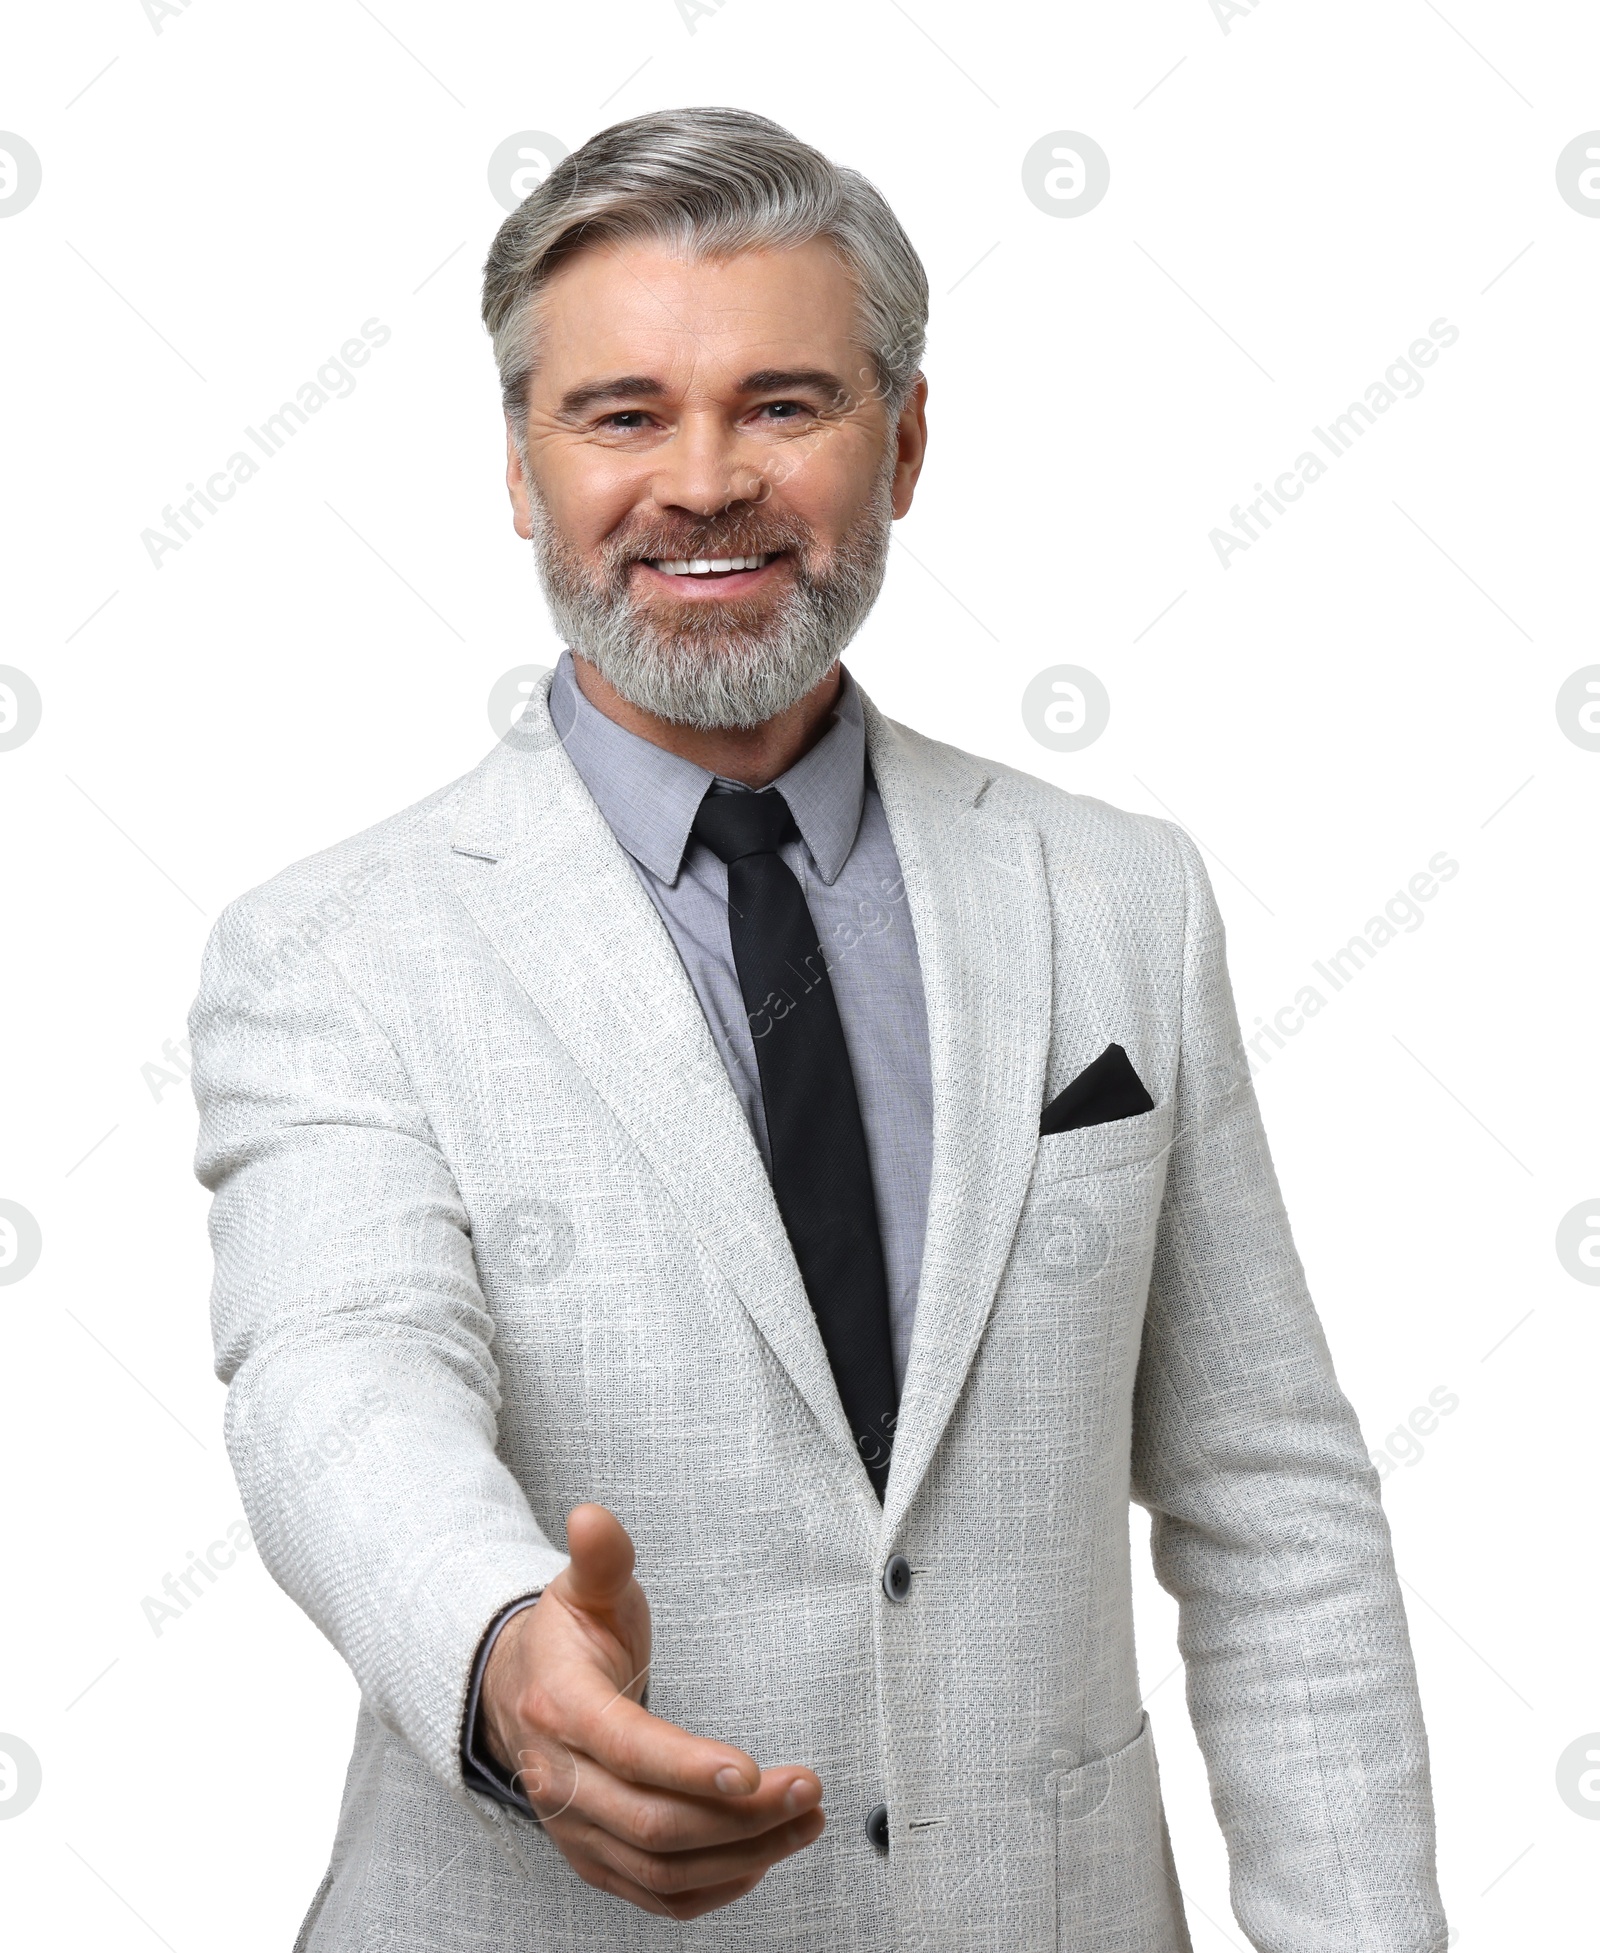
(639, 307)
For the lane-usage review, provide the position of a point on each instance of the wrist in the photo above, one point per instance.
(502, 1687)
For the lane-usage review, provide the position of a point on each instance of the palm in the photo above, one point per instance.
(617, 1637)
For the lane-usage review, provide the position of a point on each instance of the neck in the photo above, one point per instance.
(753, 755)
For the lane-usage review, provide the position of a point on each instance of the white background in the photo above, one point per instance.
(227, 199)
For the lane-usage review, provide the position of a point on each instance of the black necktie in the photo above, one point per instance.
(820, 1171)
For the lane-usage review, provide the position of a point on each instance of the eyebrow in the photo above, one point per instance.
(784, 379)
(642, 386)
(626, 386)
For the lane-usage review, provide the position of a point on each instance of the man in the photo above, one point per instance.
(808, 1171)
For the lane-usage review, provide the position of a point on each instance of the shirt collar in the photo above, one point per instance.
(649, 797)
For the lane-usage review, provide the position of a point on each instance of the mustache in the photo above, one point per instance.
(716, 538)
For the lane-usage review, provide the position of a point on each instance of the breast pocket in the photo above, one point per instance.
(1094, 1200)
(1114, 1142)
(1115, 1887)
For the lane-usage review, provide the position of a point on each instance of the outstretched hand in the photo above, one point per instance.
(676, 1824)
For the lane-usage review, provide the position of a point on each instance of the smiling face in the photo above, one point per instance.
(709, 474)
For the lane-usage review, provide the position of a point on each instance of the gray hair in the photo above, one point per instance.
(709, 182)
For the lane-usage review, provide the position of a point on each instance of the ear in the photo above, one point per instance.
(911, 439)
(517, 485)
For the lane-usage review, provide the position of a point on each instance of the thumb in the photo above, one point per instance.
(602, 1558)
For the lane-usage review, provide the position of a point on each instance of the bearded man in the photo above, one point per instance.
(754, 1192)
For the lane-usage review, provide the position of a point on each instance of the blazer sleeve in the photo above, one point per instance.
(1266, 1527)
(352, 1334)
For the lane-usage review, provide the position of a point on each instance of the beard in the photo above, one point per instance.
(726, 663)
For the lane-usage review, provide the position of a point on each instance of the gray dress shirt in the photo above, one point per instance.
(849, 873)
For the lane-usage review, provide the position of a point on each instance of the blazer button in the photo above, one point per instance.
(878, 1828)
(897, 1577)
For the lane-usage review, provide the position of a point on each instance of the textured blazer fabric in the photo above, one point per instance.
(485, 1202)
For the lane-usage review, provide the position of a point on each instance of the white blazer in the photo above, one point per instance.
(493, 1238)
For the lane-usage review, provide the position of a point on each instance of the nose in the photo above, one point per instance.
(703, 470)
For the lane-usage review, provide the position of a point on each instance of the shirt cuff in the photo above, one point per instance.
(479, 1770)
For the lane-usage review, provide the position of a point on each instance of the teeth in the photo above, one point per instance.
(709, 565)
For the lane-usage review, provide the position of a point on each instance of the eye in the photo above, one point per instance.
(627, 420)
(785, 410)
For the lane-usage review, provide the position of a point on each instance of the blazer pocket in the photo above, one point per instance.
(1112, 1885)
(1115, 1142)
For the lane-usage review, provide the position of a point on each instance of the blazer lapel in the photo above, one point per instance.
(554, 893)
(545, 880)
(976, 891)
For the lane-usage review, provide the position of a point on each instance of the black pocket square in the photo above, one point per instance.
(1108, 1089)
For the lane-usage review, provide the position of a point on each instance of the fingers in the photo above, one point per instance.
(691, 1906)
(677, 1874)
(591, 1716)
(661, 1822)
(686, 1883)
